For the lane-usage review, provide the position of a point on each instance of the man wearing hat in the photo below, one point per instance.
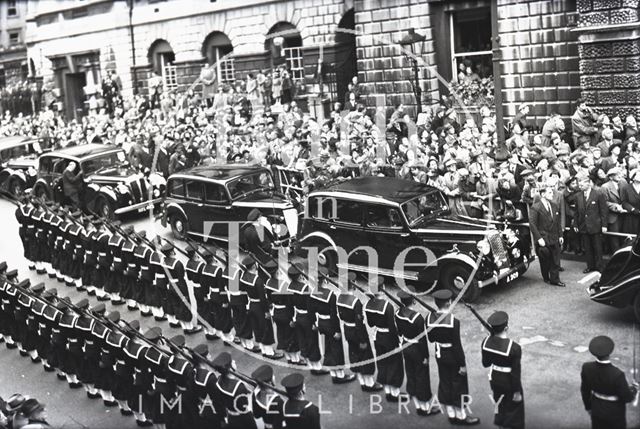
(411, 329)
(34, 416)
(298, 412)
(266, 404)
(379, 315)
(611, 190)
(546, 227)
(443, 330)
(613, 159)
(234, 394)
(502, 356)
(604, 388)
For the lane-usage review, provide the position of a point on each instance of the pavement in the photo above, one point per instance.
(553, 325)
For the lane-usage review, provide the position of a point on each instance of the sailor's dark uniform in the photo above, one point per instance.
(144, 287)
(23, 216)
(300, 414)
(238, 302)
(76, 251)
(131, 272)
(160, 282)
(103, 256)
(115, 276)
(234, 395)
(605, 392)
(208, 401)
(445, 334)
(89, 259)
(306, 338)
(415, 351)
(260, 326)
(217, 312)
(502, 357)
(161, 387)
(179, 373)
(282, 308)
(351, 313)
(268, 407)
(141, 377)
(380, 316)
(322, 304)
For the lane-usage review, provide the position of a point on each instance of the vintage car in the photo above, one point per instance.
(619, 283)
(112, 186)
(18, 162)
(225, 193)
(409, 225)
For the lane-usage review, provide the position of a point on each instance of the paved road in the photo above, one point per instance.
(554, 325)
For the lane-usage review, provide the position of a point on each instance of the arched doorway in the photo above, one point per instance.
(284, 43)
(216, 49)
(161, 58)
(346, 59)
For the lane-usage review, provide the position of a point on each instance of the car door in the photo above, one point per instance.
(217, 210)
(193, 205)
(347, 229)
(387, 233)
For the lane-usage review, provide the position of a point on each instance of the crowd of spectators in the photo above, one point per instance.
(251, 122)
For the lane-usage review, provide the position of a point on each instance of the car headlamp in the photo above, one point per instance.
(515, 252)
(484, 247)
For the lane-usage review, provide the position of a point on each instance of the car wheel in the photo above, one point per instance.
(16, 187)
(636, 306)
(179, 226)
(105, 209)
(455, 277)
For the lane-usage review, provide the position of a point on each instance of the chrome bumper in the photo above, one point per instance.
(507, 273)
(140, 207)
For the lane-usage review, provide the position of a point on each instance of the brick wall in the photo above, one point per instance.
(382, 67)
(538, 57)
(610, 55)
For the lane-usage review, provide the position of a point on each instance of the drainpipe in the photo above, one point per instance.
(133, 48)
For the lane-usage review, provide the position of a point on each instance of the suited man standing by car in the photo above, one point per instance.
(546, 227)
(72, 183)
(591, 219)
(611, 191)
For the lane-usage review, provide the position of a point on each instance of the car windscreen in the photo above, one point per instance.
(250, 183)
(423, 206)
(16, 152)
(110, 159)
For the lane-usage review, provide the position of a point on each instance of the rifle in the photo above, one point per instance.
(475, 313)
(174, 246)
(193, 246)
(10, 197)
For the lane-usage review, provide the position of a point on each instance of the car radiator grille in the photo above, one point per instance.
(498, 250)
(138, 190)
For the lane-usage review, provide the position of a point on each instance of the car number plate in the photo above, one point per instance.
(511, 277)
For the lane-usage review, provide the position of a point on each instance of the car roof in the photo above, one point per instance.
(222, 173)
(386, 188)
(13, 141)
(84, 150)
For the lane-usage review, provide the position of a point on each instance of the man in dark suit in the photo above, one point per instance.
(591, 218)
(611, 191)
(546, 227)
(72, 183)
(604, 388)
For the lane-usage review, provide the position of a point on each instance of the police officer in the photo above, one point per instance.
(604, 388)
(415, 350)
(266, 404)
(298, 412)
(380, 317)
(361, 358)
(502, 356)
(443, 330)
(234, 394)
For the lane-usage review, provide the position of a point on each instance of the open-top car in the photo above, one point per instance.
(18, 163)
(619, 283)
(112, 186)
(203, 200)
(409, 227)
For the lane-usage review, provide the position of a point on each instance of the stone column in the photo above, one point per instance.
(609, 46)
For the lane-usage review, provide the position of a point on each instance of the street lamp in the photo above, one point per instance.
(413, 45)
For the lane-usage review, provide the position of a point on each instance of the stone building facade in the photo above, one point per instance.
(543, 52)
(13, 52)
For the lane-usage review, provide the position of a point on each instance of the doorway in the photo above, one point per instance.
(75, 83)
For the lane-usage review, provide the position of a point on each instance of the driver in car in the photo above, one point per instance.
(72, 183)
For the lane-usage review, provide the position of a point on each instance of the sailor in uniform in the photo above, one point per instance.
(298, 413)
(502, 356)
(322, 305)
(361, 358)
(281, 310)
(234, 395)
(303, 323)
(210, 413)
(380, 317)
(144, 286)
(103, 256)
(443, 330)
(415, 350)
(217, 313)
(266, 404)
(604, 388)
